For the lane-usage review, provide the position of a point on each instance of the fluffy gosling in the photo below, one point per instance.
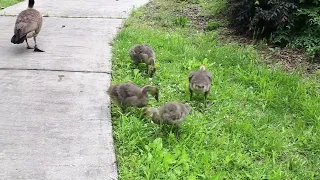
(172, 113)
(129, 94)
(200, 81)
(142, 53)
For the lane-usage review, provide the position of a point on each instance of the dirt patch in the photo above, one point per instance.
(193, 12)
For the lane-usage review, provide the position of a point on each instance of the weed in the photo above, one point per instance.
(212, 25)
(181, 21)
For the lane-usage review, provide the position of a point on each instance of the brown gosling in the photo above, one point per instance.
(28, 25)
(129, 94)
(200, 81)
(142, 53)
(171, 113)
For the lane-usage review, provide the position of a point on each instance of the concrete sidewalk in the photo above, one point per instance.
(54, 111)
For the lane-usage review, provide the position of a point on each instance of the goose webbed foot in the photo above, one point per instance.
(36, 49)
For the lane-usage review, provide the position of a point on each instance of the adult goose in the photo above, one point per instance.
(28, 25)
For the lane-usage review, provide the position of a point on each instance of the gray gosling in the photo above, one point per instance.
(200, 81)
(171, 113)
(28, 25)
(142, 53)
(129, 94)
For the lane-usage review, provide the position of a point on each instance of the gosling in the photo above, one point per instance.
(142, 53)
(171, 113)
(200, 81)
(28, 25)
(129, 94)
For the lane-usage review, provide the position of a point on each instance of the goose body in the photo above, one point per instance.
(143, 53)
(28, 24)
(130, 94)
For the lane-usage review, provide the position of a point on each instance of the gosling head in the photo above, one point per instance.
(155, 94)
(154, 91)
(147, 111)
(144, 112)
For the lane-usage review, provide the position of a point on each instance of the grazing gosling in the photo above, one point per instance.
(28, 25)
(142, 53)
(200, 81)
(172, 113)
(129, 94)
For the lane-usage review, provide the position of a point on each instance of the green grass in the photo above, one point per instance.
(6, 3)
(264, 123)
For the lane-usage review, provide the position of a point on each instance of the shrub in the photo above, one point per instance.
(282, 22)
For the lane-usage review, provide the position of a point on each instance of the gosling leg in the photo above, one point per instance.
(36, 49)
(205, 98)
(123, 109)
(190, 93)
(28, 47)
(177, 132)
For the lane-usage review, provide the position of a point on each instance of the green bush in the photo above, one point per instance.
(283, 22)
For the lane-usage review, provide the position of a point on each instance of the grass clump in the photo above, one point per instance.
(7, 3)
(212, 25)
(264, 124)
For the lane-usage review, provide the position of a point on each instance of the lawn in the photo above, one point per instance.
(6, 3)
(263, 123)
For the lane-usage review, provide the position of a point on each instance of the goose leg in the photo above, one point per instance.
(36, 49)
(28, 47)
